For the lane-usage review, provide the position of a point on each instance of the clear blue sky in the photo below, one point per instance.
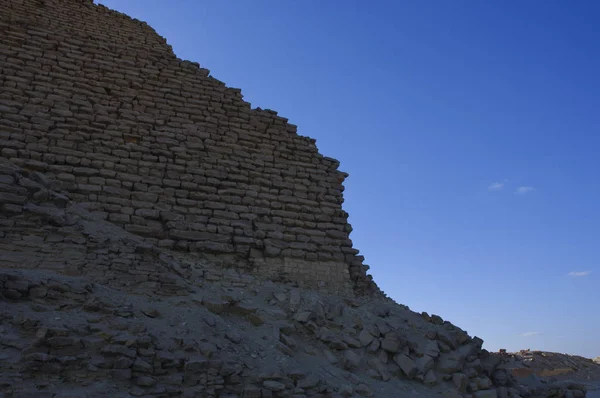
(471, 132)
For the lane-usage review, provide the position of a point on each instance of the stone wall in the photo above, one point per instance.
(100, 103)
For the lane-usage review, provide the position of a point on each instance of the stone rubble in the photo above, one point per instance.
(173, 324)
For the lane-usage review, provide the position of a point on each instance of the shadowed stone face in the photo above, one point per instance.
(100, 104)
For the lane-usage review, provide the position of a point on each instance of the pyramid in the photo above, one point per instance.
(160, 237)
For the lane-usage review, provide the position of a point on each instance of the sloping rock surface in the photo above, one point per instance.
(96, 311)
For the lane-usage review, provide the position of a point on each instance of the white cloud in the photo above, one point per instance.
(530, 334)
(579, 273)
(524, 190)
(496, 186)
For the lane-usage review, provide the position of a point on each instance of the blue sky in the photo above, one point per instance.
(470, 131)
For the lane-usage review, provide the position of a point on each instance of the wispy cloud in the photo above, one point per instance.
(496, 186)
(530, 334)
(579, 273)
(524, 190)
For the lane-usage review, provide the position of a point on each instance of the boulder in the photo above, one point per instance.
(351, 360)
(365, 337)
(392, 342)
(430, 378)
(460, 380)
(431, 348)
(408, 366)
(376, 365)
(448, 363)
(425, 363)
(483, 383)
(351, 341)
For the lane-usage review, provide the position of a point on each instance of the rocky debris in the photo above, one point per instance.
(549, 365)
(206, 342)
(212, 338)
(66, 335)
(80, 335)
(559, 389)
(157, 321)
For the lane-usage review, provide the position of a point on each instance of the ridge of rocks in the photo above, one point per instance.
(128, 318)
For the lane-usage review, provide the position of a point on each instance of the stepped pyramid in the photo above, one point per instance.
(161, 238)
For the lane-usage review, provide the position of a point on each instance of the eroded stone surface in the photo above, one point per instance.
(100, 104)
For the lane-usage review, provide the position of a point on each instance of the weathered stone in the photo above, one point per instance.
(116, 350)
(252, 392)
(144, 177)
(122, 363)
(472, 386)
(483, 383)
(215, 305)
(21, 285)
(425, 363)
(273, 385)
(346, 390)
(62, 341)
(374, 346)
(38, 292)
(331, 358)
(503, 392)
(255, 319)
(431, 348)
(372, 373)
(197, 365)
(121, 374)
(295, 299)
(485, 394)
(408, 366)
(451, 394)
(430, 378)
(244, 308)
(145, 381)
(363, 390)
(365, 338)
(392, 342)
(461, 381)
(6, 197)
(308, 383)
(351, 360)
(233, 336)
(40, 357)
(448, 363)
(141, 366)
(303, 316)
(352, 342)
(500, 377)
(151, 313)
(172, 379)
